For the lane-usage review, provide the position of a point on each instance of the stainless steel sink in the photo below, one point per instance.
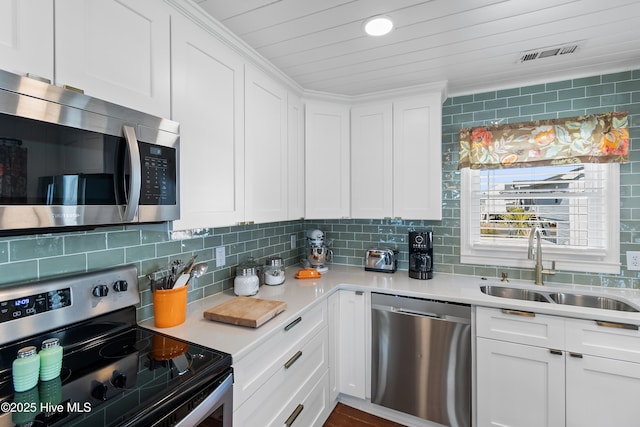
(592, 301)
(564, 298)
(515, 293)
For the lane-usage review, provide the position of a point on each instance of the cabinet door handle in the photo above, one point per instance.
(359, 292)
(293, 359)
(292, 324)
(556, 352)
(617, 325)
(518, 312)
(294, 415)
(576, 355)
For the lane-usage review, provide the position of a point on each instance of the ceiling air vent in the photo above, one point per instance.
(548, 52)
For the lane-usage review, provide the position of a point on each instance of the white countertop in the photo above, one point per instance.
(299, 294)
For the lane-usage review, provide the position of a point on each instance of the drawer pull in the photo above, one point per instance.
(292, 324)
(617, 325)
(556, 352)
(576, 355)
(359, 292)
(518, 312)
(294, 415)
(293, 359)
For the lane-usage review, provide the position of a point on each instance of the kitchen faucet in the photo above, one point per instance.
(535, 232)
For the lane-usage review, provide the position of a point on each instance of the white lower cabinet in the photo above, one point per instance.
(519, 385)
(290, 387)
(347, 324)
(602, 392)
(539, 370)
(285, 380)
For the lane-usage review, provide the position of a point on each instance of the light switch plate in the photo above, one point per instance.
(633, 260)
(221, 257)
(293, 241)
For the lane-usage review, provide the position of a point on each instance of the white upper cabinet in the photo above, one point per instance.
(26, 37)
(117, 50)
(295, 152)
(417, 157)
(326, 160)
(266, 150)
(396, 158)
(371, 161)
(208, 102)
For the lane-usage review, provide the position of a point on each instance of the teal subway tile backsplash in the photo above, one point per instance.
(62, 264)
(607, 92)
(25, 258)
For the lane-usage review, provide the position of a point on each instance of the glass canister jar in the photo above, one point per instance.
(26, 369)
(251, 262)
(274, 272)
(50, 359)
(246, 282)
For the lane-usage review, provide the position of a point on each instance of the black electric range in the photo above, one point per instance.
(114, 373)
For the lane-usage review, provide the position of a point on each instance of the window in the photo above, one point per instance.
(576, 206)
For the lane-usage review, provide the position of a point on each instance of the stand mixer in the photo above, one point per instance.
(318, 253)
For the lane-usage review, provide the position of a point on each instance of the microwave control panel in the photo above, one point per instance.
(34, 304)
(158, 174)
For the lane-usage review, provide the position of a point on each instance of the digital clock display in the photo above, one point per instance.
(21, 302)
(34, 304)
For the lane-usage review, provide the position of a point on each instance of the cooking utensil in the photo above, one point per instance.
(199, 269)
(189, 265)
(182, 280)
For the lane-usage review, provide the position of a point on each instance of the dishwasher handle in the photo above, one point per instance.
(418, 313)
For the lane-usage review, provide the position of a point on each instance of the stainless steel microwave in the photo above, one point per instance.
(70, 160)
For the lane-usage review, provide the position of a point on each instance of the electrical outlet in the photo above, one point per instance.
(221, 257)
(293, 241)
(633, 260)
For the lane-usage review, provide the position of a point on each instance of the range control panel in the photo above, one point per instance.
(34, 304)
(27, 309)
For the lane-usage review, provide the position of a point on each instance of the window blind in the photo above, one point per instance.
(567, 202)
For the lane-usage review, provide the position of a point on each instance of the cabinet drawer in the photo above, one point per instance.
(606, 339)
(306, 366)
(251, 371)
(307, 409)
(520, 327)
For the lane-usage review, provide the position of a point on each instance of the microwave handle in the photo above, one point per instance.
(135, 181)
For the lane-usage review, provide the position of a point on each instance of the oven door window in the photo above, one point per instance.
(48, 164)
(214, 420)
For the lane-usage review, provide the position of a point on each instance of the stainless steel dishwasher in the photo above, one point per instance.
(421, 358)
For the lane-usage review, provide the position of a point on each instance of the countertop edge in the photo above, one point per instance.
(301, 295)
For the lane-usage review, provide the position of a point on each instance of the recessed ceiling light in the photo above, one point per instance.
(378, 26)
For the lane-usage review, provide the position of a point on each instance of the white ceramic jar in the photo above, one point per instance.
(246, 282)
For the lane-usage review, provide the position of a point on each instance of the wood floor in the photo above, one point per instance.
(346, 416)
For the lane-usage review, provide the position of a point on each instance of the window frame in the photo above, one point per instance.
(514, 254)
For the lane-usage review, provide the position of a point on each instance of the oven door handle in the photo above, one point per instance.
(135, 180)
(208, 405)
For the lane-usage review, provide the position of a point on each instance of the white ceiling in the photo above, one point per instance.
(473, 44)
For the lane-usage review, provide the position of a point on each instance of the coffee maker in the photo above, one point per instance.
(421, 255)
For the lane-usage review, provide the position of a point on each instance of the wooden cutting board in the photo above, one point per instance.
(246, 311)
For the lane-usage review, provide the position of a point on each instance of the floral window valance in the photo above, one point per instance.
(594, 138)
